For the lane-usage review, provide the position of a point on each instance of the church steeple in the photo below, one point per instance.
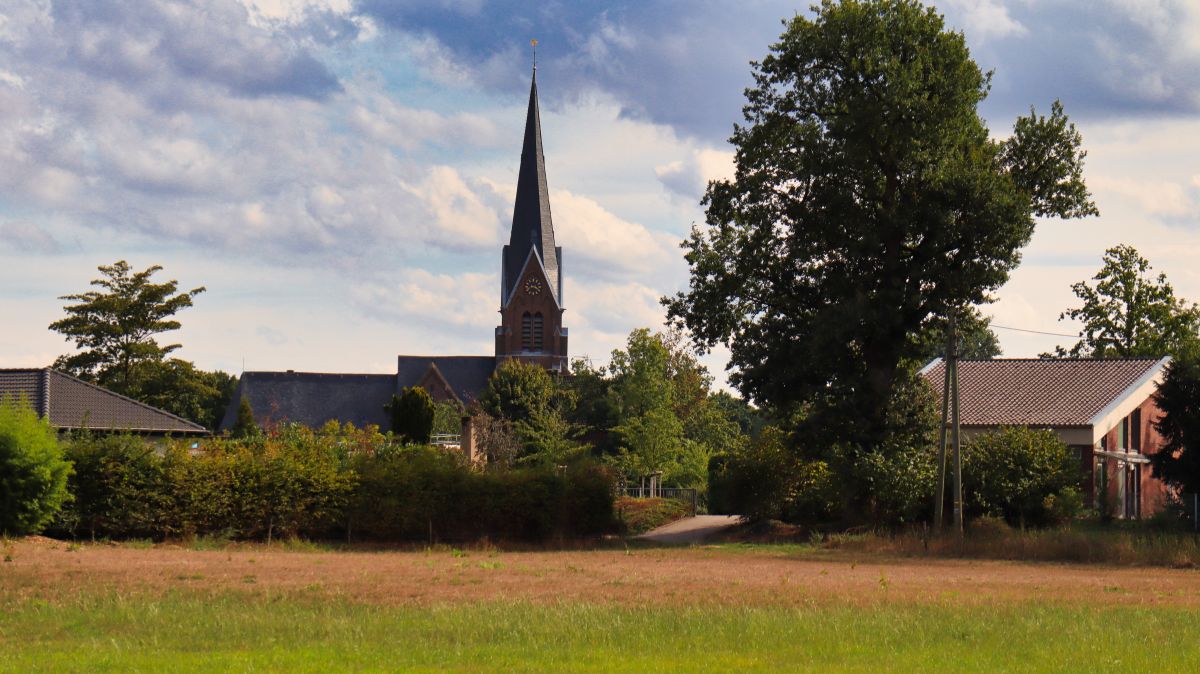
(532, 226)
(531, 308)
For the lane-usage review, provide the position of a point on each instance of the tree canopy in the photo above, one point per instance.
(1177, 462)
(868, 196)
(976, 341)
(1128, 312)
(115, 327)
(115, 330)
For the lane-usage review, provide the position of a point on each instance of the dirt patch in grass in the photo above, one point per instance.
(726, 575)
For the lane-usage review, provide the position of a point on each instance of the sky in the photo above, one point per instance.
(339, 174)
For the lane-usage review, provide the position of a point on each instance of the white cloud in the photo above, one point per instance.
(606, 242)
(987, 19)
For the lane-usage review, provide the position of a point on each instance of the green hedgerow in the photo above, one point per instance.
(33, 473)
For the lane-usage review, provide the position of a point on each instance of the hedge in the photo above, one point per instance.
(336, 482)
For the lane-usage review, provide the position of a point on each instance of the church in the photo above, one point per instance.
(531, 327)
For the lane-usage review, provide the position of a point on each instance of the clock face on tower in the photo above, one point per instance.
(533, 286)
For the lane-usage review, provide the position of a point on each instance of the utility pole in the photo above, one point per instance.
(939, 497)
(955, 439)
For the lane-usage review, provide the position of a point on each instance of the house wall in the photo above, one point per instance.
(1154, 492)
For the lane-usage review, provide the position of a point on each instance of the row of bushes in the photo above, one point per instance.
(293, 481)
(1026, 476)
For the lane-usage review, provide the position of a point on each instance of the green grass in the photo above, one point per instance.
(303, 634)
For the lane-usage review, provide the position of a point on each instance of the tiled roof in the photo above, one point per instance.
(1039, 392)
(467, 375)
(313, 398)
(70, 403)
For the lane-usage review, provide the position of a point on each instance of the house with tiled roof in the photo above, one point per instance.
(71, 404)
(531, 326)
(1104, 409)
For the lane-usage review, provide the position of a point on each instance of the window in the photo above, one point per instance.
(1123, 436)
(1135, 430)
(537, 331)
(526, 332)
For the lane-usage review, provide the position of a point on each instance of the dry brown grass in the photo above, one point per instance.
(714, 576)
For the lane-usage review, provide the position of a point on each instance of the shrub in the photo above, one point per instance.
(639, 515)
(421, 493)
(412, 415)
(33, 473)
(1024, 475)
(768, 480)
(118, 486)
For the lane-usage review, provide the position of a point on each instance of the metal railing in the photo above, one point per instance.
(685, 494)
(446, 439)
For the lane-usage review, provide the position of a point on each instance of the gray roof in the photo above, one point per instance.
(69, 403)
(313, 398)
(467, 375)
(531, 224)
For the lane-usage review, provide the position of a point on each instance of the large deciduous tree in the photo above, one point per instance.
(1129, 313)
(115, 330)
(868, 196)
(114, 327)
(1178, 396)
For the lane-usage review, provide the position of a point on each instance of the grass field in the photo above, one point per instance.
(730, 608)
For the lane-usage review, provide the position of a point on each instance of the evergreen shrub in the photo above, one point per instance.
(33, 473)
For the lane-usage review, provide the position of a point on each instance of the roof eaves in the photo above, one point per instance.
(1153, 371)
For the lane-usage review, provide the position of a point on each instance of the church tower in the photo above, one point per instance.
(531, 293)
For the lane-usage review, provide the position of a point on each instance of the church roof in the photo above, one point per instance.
(467, 375)
(69, 403)
(313, 398)
(531, 224)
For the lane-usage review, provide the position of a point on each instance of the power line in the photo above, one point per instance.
(1036, 332)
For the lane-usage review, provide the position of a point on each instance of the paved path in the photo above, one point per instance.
(690, 529)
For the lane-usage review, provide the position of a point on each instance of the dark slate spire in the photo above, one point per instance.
(531, 225)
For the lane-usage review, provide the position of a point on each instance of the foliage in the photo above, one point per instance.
(767, 480)
(412, 415)
(749, 419)
(293, 481)
(115, 326)
(33, 473)
(639, 515)
(244, 425)
(890, 481)
(1177, 462)
(666, 420)
(178, 387)
(1128, 313)
(976, 341)
(549, 439)
(114, 329)
(420, 493)
(119, 487)
(868, 196)
(1019, 474)
(517, 390)
(447, 417)
(495, 438)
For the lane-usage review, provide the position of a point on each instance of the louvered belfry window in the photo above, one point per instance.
(537, 331)
(527, 332)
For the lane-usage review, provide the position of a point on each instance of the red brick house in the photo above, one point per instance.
(531, 326)
(1102, 408)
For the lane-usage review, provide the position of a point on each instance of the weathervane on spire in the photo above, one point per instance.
(533, 44)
